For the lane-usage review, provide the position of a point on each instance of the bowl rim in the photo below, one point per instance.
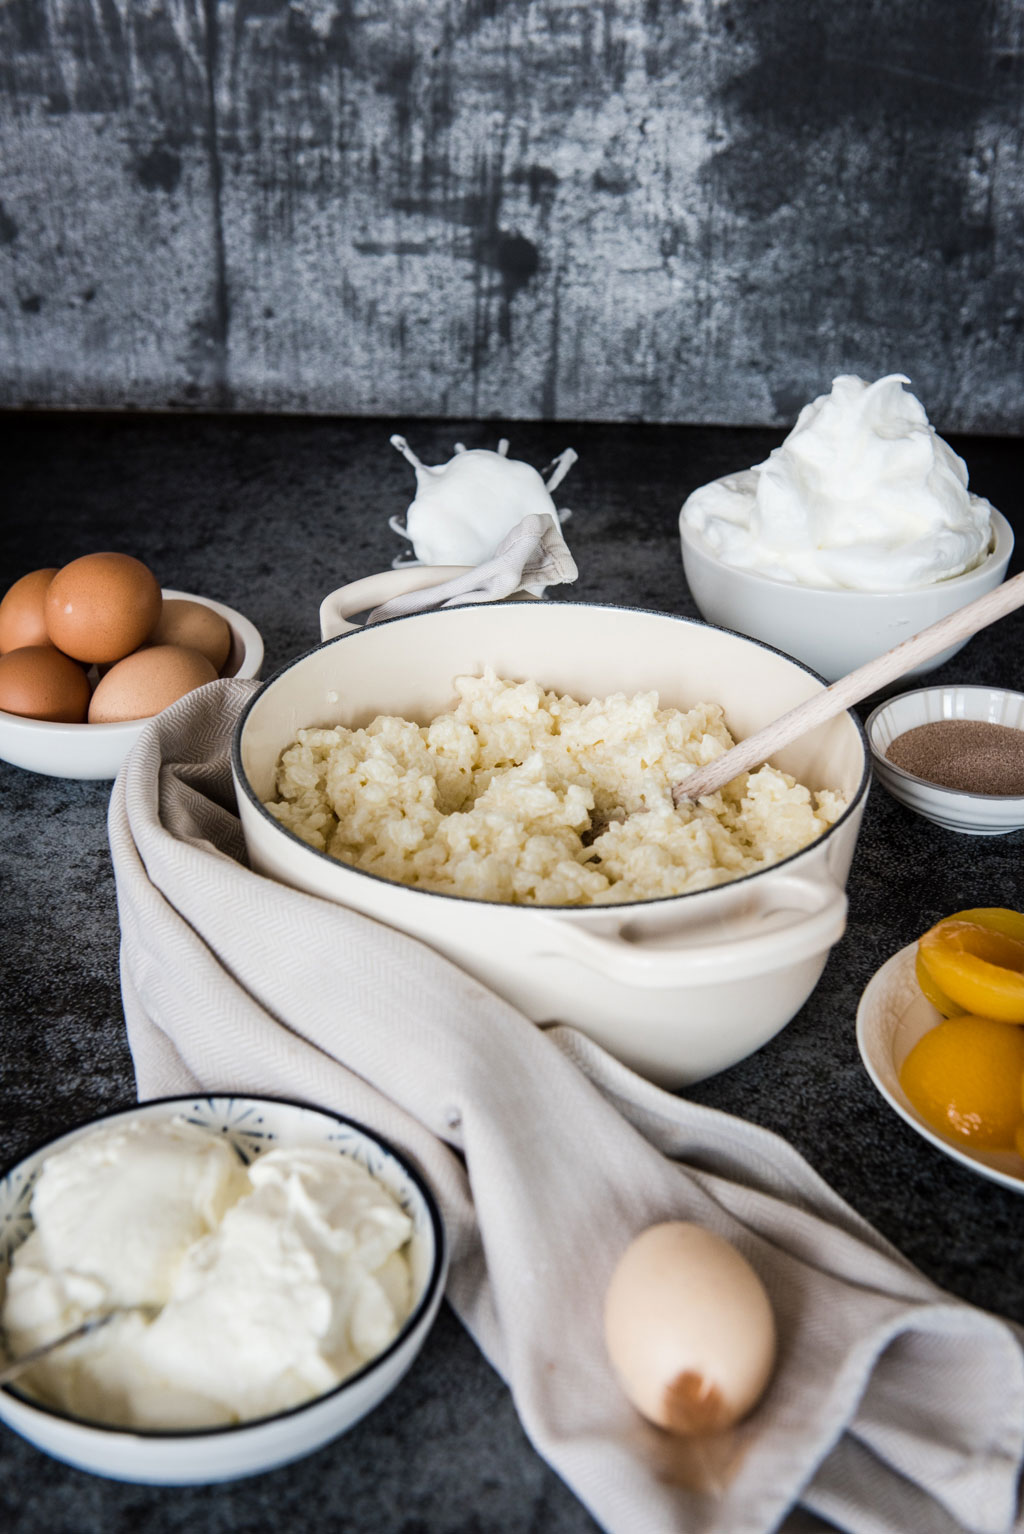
(434, 1281)
(243, 785)
(1002, 545)
(245, 629)
(940, 790)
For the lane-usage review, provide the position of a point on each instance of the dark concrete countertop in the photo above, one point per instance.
(269, 515)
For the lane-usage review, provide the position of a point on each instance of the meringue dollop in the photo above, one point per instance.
(863, 494)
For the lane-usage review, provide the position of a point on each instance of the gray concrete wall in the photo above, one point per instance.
(513, 208)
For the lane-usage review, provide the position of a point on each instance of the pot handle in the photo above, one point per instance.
(360, 596)
(818, 910)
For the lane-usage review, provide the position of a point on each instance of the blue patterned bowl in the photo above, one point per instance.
(253, 1125)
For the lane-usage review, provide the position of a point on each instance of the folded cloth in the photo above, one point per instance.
(894, 1406)
(529, 558)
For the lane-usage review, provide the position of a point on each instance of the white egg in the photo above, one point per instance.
(689, 1328)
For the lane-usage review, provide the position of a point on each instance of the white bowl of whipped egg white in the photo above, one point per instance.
(857, 532)
(274, 1270)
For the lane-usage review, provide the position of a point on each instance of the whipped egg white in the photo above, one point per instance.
(463, 509)
(863, 494)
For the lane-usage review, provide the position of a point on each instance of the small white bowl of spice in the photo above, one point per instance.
(954, 755)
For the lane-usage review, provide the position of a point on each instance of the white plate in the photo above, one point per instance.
(891, 1017)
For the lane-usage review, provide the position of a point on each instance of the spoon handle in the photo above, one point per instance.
(850, 689)
(19, 1365)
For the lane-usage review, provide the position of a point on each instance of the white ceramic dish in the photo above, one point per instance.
(339, 607)
(891, 1017)
(970, 814)
(225, 1453)
(97, 750)
(833, 632)
(677, 988)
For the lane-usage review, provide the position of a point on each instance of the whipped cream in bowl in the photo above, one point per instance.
(855, 533)
(293, 1263)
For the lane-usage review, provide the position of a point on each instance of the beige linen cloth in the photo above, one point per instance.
(894, 1407)
(531, 557)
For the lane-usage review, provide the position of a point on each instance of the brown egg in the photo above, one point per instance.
(102, 606)
(196, 626)
(147, 682)
(40, 682)
(22, 619)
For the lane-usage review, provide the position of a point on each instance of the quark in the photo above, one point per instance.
(276, 1280)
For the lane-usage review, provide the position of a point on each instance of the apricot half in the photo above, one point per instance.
(975, 960)
(939, 1000)
(964, 1078)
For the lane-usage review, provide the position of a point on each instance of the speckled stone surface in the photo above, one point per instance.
(268, 516)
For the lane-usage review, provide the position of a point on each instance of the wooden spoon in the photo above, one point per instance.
(850, 689)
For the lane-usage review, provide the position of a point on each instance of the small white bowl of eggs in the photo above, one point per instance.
(90, 651)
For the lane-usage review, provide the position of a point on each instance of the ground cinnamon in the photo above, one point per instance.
(970, 755)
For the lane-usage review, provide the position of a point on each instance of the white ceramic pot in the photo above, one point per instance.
(834, 632)
(677, 988)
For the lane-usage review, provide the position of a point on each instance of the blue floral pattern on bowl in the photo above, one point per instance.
(15, 1212)
(252, 1125)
